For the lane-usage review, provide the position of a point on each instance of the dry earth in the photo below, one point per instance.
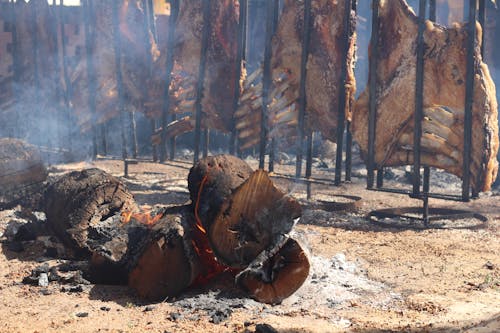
(364, 278)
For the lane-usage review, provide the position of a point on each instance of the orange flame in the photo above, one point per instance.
(142, 218)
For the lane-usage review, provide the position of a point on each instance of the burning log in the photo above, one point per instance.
(251, 220)
(21, 173)
(242, 213)
(97, 218)
(276, 274)
(167, 263)
(237, 220)
(212, 181)
(78, 203)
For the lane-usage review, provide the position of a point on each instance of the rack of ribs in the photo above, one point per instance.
(220, 82)
(324, 67)
(444, 99)
(135, 58)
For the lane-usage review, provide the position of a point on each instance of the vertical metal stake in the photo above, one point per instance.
(302, 85)
(174, 11)
(309, 163)
(469, 95)
(419, 98)
(266, 82)
(201, 78)
(372, 116)
(240, 59)
(119, 78)
(342, 91)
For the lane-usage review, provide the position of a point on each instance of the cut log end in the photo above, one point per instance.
(271, 279)
(167, 264)
(251, 219)
(163, 270)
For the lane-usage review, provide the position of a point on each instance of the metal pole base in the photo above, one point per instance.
(439, 218)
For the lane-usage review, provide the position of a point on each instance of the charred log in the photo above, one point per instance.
(78, 204)
(212, 181)
(251, 220)
(22, 174)
(167, 263)
(276, 273)
(242, 213)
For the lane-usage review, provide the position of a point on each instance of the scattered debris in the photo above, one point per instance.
(43, 280)
(265, 328)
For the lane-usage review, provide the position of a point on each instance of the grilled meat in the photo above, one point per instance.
(324, 66)
(135, 60)
(444, 99)
(220, 81)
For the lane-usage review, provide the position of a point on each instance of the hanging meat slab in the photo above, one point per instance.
(220, 81)
(444, 99)
(324, 67)
(135, 60)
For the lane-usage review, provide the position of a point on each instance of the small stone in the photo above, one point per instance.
(45, 292)
(174, 316)
(105, 308)
(54, 275)
(43, 280)
(149, 308)
(489, 265)
(45, 268)
(73, 289)
(265, 328)
(82, 314)
(33, 280)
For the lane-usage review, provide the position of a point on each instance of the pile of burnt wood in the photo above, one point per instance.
(237, 223)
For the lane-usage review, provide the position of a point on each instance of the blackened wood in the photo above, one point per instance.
(166, 264)
(276, 274)
(251, 220)
(22, 174)
(79, 203)
(212, 180)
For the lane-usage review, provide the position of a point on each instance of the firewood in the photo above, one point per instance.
(211, 181)
(251, 220)
(79, 206)
(167, 264)
(22, 173)
(276, 273)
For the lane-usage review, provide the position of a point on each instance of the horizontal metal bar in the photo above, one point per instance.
(419, 196)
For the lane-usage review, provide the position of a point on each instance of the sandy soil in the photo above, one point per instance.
(364, 278)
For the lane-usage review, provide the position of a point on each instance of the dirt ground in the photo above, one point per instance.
(364, 277)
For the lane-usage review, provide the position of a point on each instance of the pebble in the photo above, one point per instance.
(265, 328)
(105, 308)
(43, 280)
(149, 308)
(82, 314)
(45, 292)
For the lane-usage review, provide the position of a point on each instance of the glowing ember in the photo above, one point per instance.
(202, 247)
(142, 218)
